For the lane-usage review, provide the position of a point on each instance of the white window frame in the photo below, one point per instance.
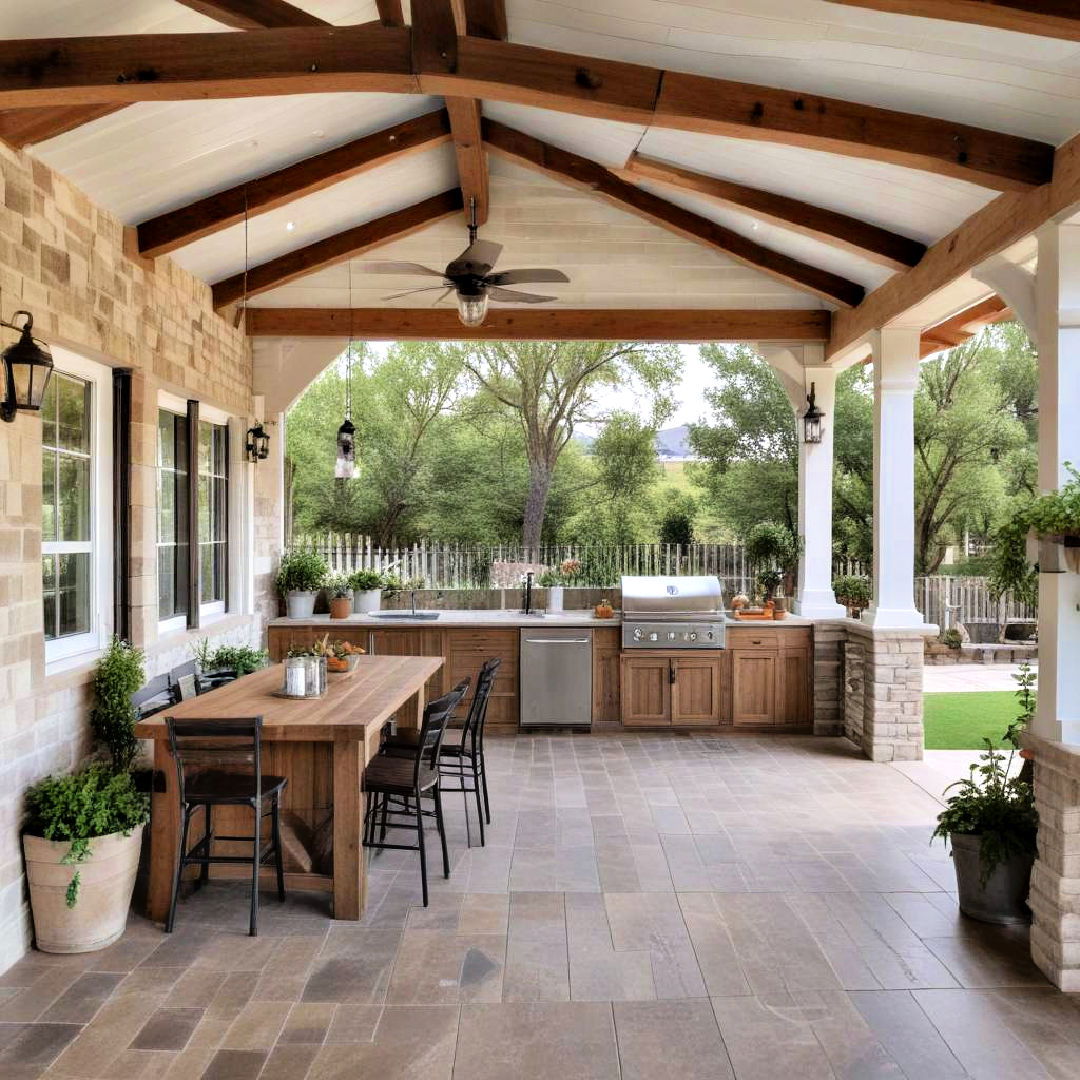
(61, 652)
(178, 407)
(217, 609)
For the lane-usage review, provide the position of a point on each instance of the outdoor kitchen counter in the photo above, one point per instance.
(495, 619)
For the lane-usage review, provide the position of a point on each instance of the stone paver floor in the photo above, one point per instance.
(646, 907)
(961, 678)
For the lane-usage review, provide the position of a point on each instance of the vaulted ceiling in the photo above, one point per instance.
(706, 154)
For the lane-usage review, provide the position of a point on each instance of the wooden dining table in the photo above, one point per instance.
(320, 745)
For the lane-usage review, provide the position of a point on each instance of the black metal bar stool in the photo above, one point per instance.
(394, 784)
(462, 750)
(219, 763)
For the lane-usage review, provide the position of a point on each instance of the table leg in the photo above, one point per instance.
(350, 873)
(164, 833)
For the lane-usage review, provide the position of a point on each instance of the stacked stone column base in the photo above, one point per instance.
(1055, 881)
(883, 688)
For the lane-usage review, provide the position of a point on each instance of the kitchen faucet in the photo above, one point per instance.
(412, 600)
(528, 593)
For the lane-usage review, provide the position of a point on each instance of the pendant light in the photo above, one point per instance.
(472, 296)
(345, 461)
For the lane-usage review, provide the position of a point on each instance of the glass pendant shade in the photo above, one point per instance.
(345, 463)
(28, 366)
(472, 310)
(258, 444)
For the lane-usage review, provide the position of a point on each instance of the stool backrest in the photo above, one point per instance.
(474, 721)
(198, 745)
(437, 715)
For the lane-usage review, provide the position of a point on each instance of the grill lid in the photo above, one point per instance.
(671, 595)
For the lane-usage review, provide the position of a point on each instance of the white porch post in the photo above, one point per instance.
(1057, 299)
(896, 376)
(814, 597)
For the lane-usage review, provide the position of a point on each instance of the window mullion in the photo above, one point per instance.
(194, 582)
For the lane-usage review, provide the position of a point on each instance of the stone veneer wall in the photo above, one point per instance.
(883, 681)
(828, 703)
(64, 259)
(1054, 897)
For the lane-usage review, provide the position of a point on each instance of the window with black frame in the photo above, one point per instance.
(172, 515)
(213, 513)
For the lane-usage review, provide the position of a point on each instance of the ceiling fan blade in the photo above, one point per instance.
(525, 277)
(397, 268)
(480, 256)
(512, 296)
(446, 292)
(409, 292)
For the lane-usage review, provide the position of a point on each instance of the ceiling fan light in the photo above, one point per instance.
(472, 310)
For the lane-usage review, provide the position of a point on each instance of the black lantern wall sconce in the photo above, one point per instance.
(28, 366)
(258, 443)
(812, 419)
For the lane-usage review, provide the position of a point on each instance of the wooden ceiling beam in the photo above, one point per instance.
(174, 229)
(390, 12)
(1042, 18)
(22, 127)
(161, 67)
(336, 249)
(687, 326)
(961, 327)
(254, 14)
(1008, 219)
(581, 172)
(838, 230)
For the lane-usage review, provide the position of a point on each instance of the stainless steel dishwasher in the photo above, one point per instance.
(556, 677)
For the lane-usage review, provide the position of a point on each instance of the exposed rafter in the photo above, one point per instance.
(963, 326)
(571, 168)
(436, 25)
(254, 14)
(870, 241)
(176, 228)
(529, 324)
(1009, 218)
(390, 12)
(21, 127)
(337, 248)
(70, 71)
(1043, 18)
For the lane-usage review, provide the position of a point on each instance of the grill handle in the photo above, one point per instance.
(557, 641)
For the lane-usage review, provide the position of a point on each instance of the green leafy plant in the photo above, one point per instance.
(366, 580)
(239, 658)
(338, 586)
(120, 672)
(1057, 513)
(301, 571)
(677, 524)
(1009, 570)
(852, 590)
(769, 580)
(952, 638)
(549, 578)
(82, 806)
(991, 804)
(203, 652)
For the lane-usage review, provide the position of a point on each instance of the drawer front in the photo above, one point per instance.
(752, 638)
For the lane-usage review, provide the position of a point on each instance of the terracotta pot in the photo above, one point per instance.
(106, 880)
(340, 607)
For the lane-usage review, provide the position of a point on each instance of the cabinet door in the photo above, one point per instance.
(466, 651)
(606, 662)
(646, 690)
(695, 698)
(794, 690)
(753, 687)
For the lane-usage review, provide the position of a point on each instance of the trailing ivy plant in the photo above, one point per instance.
(991, 804)
(82, 806)
(120, 672)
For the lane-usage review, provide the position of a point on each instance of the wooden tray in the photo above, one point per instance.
(754, 617)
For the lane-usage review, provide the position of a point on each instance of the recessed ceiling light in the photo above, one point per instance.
(755, 225)
(318, 133)
(290, 225)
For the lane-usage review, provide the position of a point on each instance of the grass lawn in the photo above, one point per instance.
(961, 721)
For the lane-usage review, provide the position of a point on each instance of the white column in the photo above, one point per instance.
(896, 376)
(814, 597)
(1058, 335)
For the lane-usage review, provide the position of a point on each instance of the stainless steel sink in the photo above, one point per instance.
(406, 614)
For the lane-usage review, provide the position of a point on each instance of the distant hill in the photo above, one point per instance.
(674, 442)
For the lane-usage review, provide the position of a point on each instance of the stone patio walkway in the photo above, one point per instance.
(959, 678)
(646, 907)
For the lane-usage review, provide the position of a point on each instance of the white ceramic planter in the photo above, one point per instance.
(555, 598)
(364, 603)
(106, 881)
(300, 605)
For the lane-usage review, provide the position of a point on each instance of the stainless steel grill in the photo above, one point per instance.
(672, 613)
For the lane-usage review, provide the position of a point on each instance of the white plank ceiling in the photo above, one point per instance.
(153, 157)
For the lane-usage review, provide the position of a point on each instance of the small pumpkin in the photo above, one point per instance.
(604, 610)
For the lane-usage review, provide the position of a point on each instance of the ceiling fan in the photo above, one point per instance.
(470, 276)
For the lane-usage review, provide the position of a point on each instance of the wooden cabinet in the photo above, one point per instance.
(753, 687)
(646, 690)
(607, 646)
(771, 676)
(794, 687)
(696, 691)
(465, 652)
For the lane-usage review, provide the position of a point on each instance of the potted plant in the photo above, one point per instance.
(299, 578)
(341, 597)
(770, 546)
(991, 824)
(769, 580)
(1054, 518)
(82, 843)
(367, 586)
(552, 581)
(342, 656)
(853, 591)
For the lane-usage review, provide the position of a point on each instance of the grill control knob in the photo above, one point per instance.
(671, 635)
(652, 637)
(693, 637)
(638, 635)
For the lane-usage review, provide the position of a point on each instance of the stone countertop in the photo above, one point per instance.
(503, 619)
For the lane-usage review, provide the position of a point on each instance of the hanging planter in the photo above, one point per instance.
(1053, 520)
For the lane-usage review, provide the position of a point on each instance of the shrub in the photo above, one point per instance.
(301, 571)
(120, 672)
(952, 638)
(852, 590)
(366, 580)
(82, 806)
(239, 658)
(677, 526)
(770, 546)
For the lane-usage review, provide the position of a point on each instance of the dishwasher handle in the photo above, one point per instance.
(557, 641)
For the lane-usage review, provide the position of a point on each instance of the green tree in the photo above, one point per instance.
(551, 387)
